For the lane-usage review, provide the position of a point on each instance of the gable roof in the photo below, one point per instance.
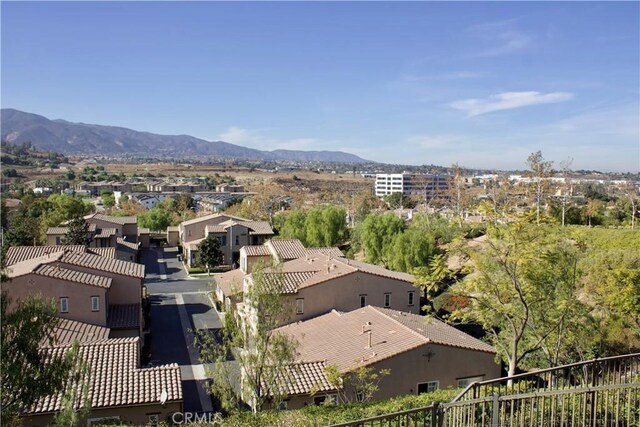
(126, 244)
(96, 262)
(105, 232)
(287, 249)
(115, 379)
(256, 250)
(338, 338)
(105, 252)
(330, 251)
(224, 217)
(57, 272)
(16, 254)
(69, 331)
(287, 282)
(303, 378)
(121, 220)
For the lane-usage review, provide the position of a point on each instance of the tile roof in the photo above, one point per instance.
(57, 230)
(105, 232)
(287, 282)
(115, 378)
(96, 262)
(69, 331)
(223, 217)
(338, 338)
(287, 249)
(122, 220)
(144, 231)
(129, 245)
(258, 227)
(16, 254)
(105, 252)
(57, 272)
(173, 228)
(256, 250)
(215, 228)
(376, 270)
(230, 282)
(330, 251)
(123, 316)
(303, 378)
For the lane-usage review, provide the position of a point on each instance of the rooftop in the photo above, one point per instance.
(115, 378)
(96, 262)
(69, 331)
(123, 316)
(338, 338)
(303, 378)
(122, 220)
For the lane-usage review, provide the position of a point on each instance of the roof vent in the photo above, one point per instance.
(364, 327)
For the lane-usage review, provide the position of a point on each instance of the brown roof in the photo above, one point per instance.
(230, 282)
(215, 228)
(122, 220)
(57, 230)
(326, 268)
(303, 378)
(256, 250)
(16, 254)
(173, 228)
(56, 272)
(123, 316)
(287, 249)
(338, 338)
(105, 252)
(287, 282)
(69, 331)
(223, 217)
(115, 378)
(258, 227)
(96, 262)
(330, 251)
(144, 231)
(129, 245)
(105, 232)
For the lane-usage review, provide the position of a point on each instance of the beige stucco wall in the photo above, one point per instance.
(79, 296)
(195, 231)
(265, 261)
(173, 237)
(343, 294)
(124, 289)
(54, 239)
(446, 365)
(138, 415)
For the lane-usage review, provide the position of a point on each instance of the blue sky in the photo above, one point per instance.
(481, 84)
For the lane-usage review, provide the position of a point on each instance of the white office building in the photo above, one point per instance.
(417, 185)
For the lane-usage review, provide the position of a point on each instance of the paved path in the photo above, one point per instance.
(180, 305)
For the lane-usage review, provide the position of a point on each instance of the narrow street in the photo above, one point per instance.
(179, 307)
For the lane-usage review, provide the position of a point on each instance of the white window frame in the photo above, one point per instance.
(464, 382)
(299, 305)
(64, 304)
(387, 300)
(430, 386)
(412, 298)
(95, 303)
(99, 420)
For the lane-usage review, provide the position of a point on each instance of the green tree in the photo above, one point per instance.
(378, 232)
(209, 253)
(398, 200)
(523, 291)
(539, 172)
(359, 385)
(262, 354)
(28, 373)
(409, 250)
(294, 226)
(156, 219)
(108, 199)
(78, 233)
(23, 231)
(433, 278)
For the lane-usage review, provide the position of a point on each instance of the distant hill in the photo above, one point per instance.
(86, 139)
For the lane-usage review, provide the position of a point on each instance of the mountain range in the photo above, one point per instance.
(88, 139)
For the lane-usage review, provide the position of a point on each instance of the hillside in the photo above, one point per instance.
(89, 139)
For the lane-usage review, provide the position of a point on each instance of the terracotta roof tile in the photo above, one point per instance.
(57, 272)
(129, 245)
(338, 338)
(96, 262)
(16, 254)
(230, 282)
(258, 227)
(69, 331)
(105, 252)
(122, 220)
(105, 232)
(332, 252)
(256, 250)
(287, 249)
(287, 282)
(115, 379)
(303, 378)
(123, 316)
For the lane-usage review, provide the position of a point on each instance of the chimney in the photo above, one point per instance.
(364, 327)
(369, 339)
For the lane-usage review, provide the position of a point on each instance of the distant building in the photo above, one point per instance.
(416, 185)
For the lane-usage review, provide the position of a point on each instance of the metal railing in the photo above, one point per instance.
(426, 416)
(594, 393)
(600, 392)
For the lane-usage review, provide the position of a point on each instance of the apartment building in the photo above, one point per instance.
(416, 185)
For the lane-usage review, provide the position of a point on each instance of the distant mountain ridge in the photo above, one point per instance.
(86, 139)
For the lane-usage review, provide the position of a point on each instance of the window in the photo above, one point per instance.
(153, 419)
(427, 387)
(325, 399)
(464, 382)
(300, 306)
(411, 297)
(222, 240)
(58, 241)
(387, 300)
(237, 240)
(64, 305)
(363, 300)
(95, 303)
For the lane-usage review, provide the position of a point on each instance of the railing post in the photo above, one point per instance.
(495, 413)
(434, 414)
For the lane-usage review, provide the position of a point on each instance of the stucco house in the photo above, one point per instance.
(421, 354)
(119, 390)
(319, 283)
(232, 232)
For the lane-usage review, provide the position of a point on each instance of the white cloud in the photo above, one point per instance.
(508, 101)
(256, 139)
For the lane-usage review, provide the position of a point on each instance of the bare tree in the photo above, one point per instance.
(567, 187)
(539, 172)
